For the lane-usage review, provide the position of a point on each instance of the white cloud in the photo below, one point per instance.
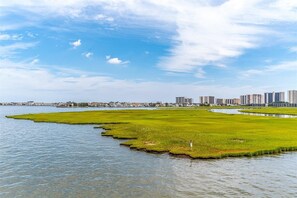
(76, 44)
(88, 54)
(35, 61)
(281, 67)
(204, 32)
(293, 49)
(9, 50)
(284, 66)
(200, 73)
(24, 81)
(31, 35)
(252, 72)
(102, 17)
(115, 61)
(4, 37)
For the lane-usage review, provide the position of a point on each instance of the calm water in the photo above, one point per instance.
(57, 160)
(236, 111)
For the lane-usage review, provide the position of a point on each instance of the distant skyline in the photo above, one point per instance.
(145, 51)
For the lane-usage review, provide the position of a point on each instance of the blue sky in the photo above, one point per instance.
(145, 51)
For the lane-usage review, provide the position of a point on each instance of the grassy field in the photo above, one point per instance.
(273, 110)
(214, 135)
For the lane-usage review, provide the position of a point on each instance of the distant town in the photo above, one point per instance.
(277, 99)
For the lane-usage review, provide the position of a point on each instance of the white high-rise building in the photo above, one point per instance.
(292, 96)
(180, 100)
(257, 99)
(207, 100)
(184, 100)
(251, 99)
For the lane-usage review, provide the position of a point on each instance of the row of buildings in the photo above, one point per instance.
(111, 104)
(269, 98)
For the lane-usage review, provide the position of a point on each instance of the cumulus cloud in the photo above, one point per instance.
(76, 44)
(88, 54)
(203, 32)
(115, 61)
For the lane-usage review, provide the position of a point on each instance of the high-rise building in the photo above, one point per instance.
(272, 97)
(279, 97)
(268, 98)
(180, 100)
(292, 96)
(183, 101)
(257, 99)
(207, 100)
(236, 101)
(245, 99)
(233, 101)
(251, 99)
(220, 101)
(189, 101)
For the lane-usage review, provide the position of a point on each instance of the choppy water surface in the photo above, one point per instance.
(58, 160)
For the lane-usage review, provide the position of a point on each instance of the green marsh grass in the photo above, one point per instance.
(272, 110)
(214, 135)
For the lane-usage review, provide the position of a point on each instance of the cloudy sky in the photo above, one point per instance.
(145, 50)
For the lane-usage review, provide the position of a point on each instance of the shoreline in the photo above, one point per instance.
(263, 153)
(176, 142)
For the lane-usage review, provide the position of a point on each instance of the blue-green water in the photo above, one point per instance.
(58, 160)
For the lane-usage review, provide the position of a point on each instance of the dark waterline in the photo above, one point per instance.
(58, 160)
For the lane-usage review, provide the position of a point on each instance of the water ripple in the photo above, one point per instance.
(56, 160)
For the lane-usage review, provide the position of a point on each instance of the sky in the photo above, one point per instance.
(145, 50)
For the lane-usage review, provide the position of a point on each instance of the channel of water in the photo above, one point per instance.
(237, 111)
